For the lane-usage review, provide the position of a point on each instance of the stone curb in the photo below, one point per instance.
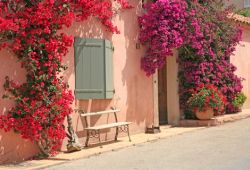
(219, 120)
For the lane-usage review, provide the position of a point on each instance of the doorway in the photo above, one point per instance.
(162, 95)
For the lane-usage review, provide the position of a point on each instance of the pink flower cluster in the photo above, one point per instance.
(205, 37)
(162, 28)
(206, 59)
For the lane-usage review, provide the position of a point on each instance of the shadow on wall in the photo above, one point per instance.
(90, 29)
(139, 86)
(12, 147)
(132, 86)
(133, 89)
(91, 106)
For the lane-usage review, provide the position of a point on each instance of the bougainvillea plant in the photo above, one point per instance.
(216, 44)
(163, 28)
(30, 29)
(205, 38)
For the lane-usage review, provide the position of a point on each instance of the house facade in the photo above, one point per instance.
(239, 59)
(147, 102)
(122, 84)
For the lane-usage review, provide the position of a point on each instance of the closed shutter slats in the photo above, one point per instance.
(94, 68)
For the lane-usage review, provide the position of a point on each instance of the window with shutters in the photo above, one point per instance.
(246, 3)
(93, 68)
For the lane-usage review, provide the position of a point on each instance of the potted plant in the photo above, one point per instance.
(205, 101)
(239, 100)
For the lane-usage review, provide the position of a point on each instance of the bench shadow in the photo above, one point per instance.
(56, 159)
(102, 144)
(92, 145)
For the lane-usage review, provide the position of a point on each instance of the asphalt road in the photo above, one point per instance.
(224, 147)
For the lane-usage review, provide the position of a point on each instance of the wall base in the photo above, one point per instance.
(153, 130)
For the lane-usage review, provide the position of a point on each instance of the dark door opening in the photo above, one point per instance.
(162, 95)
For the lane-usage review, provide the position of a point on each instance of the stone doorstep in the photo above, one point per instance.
(218, 120)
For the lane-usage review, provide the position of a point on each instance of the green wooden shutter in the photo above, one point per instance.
(109, 85)
(94, 69)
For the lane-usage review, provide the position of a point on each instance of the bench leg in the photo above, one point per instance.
(128, 133)
(87, 139)
(116, 133)
(99, 137)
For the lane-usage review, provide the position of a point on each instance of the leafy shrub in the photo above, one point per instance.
(244, 12)
(239, 99)
(205, 97)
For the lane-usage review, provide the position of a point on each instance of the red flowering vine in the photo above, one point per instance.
(29, 28)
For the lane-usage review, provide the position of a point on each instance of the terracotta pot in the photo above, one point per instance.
(205, 115)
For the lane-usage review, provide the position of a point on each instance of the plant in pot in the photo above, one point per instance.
(239, 100)
(206, 101)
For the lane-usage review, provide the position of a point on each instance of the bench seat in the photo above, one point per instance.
(106, 126)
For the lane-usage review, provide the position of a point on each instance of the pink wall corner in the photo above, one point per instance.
(134, 91)
(241, 60)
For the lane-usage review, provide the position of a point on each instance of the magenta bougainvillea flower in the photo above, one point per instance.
(205, 37)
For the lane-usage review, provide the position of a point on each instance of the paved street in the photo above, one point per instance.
(224, 147)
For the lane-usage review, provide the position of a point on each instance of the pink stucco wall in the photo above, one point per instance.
(241, 60)
(239, 4)
(12, 147)
(134, 91)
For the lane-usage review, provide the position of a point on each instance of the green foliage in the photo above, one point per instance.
(239, 99)
(245, 12)
(205, 97)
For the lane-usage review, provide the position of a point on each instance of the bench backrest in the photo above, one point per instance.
(99, 113)
(85, 115)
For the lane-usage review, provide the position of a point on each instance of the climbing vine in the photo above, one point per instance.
(163, 28)
(205, 38)
(30, 29)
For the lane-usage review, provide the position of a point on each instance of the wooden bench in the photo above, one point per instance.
(94, 131)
